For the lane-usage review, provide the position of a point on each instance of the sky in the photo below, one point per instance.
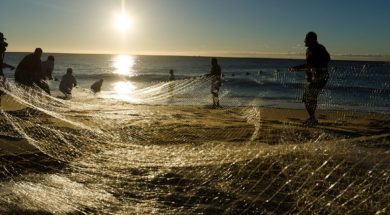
(244, 28)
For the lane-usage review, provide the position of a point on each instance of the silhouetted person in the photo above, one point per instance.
(171, 75)
(28, 71)
(171, 86)
(316, 67)
(215, 74)
(67, 83)
(3, 48)
(47, 68)
(97, 86)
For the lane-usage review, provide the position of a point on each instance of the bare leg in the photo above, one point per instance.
(215, 100)
(311, 109)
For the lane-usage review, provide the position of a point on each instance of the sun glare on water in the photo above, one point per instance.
(123, 64)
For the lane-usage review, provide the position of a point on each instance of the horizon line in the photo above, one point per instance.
(224, 54)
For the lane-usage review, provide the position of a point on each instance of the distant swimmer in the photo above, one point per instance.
(28, 72)
(97, 86)
(316, 68)
(67, 83)
(216, 81)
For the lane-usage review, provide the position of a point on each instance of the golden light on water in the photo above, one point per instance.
(124, 90)
(123, 64)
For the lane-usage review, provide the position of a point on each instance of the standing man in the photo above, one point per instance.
(28, 71)
(215, 74)
(316, 68)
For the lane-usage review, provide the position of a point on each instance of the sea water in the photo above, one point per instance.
(353, 85)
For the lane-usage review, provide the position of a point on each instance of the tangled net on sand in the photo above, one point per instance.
(108, 156)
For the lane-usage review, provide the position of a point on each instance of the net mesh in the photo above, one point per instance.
(95, 155)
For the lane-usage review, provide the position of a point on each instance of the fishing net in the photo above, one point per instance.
(138, 153)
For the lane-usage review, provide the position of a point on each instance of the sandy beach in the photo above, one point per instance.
(189, 159)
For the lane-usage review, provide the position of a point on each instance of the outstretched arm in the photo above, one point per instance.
(4, 65)
(298, 68)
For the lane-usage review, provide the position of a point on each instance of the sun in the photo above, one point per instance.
(123, 22)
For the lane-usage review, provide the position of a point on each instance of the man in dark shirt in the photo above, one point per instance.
(28, 71)
(316, 68)
(215, 74)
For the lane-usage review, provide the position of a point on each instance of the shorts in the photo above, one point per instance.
(312, 90)
(215, 85)
(66, 91)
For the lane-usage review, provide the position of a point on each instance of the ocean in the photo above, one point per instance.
(353, 85)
